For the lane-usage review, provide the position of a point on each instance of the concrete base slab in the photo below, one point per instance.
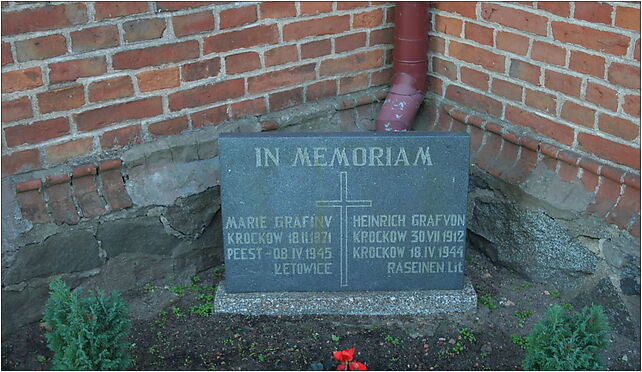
(348, 303)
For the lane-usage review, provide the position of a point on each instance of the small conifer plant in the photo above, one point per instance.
(87, 333)
(567, 340)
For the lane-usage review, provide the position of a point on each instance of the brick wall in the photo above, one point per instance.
(86, 79)
(556, 83)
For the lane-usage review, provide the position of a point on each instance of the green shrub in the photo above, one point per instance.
(87, 333)
(567, 340)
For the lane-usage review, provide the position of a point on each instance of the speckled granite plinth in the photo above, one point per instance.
(349, 303)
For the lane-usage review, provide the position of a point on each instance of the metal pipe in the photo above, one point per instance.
(410, 64)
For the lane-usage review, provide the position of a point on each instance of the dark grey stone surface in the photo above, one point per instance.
(344, 211)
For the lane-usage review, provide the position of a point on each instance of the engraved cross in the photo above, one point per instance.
(343, 204)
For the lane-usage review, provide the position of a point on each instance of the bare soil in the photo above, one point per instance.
(178, 333)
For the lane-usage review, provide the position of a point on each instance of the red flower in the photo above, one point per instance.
(357, 366)
(344, 355)
(341, 367)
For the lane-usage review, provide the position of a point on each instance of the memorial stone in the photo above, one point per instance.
(344, 211)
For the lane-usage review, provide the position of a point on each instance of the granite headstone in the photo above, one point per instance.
(344, 211)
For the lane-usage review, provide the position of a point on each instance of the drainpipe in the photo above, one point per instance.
(409, 67)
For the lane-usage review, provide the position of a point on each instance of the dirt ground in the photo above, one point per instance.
(184, 334)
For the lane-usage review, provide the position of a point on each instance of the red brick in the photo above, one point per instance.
(281, 55)
(567, 172)
(541, 101)
(514, 18)
(556, 131)
(522, 168)
(114, 189)
(117, 87)
(618, 127)
(114, 9)
(352, 63)
(368, 19)
(612, 173)
(248, 107)
(47, 17)
(21, 161)
(631, 105)
(578, 114)
(474, 78)
(524, 71)
(625, 75)
(390, 16)
(78, 68)
(316, 27)
(86, 193)
(18, 80)
(435, 85)
(315, 7)
(351, 84)
(168, 127)
(445, 68)
(377, 37)
(158, 79)
(206, 94)
(606, 197)
(589, 181)
(627, 17)
(285, 99)
(144, 29)
(603, 41)
(40, 48)
(36, 132)
(153, 56)
(16, 109)
(505, 160)
(316, 49)
(480, 34)
(321, 89)
(609, 150)
(636, 50)
(194, 23)
(63, 152)
(561, 8)
(381, 77)
(277, 9)
(238, 16)
(32, 206)
(507, 90)
(61, 99)
(511, 42)
(248, 37)
(201, 69)
(280, 78)
(593, 12)
(464, 8)
(488, 152)
(436, 45)
(447, 25)
(566, 84)
(549, 53)
(209, 117)
(94, 38)
(104, 116)
(601, 96)
(7, 58)
(347, 5)
(353, 41)
(118, 138)
(110, 164)
(587, 64)
(242, 62)
(627, 207)
(169, 6)
(478, 56)
(474, 100)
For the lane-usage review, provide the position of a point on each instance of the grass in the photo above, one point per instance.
(520, 341)
(487, 300)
